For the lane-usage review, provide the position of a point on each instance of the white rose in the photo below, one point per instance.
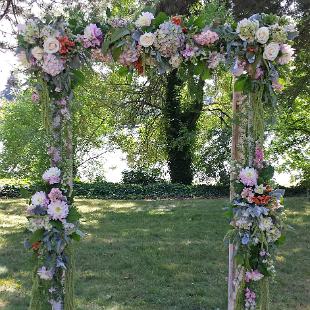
(262, 35)
(271, 51)
(37, 52)
(51, 45)
(147, 39)
(144, 20)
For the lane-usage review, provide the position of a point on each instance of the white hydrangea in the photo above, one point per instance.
(169, 39)
(273, 234)
(246, 29)
(265, 223)
(38, 223)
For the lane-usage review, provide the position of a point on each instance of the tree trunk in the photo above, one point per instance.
(180, 128)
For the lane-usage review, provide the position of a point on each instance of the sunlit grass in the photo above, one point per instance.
(154, 255)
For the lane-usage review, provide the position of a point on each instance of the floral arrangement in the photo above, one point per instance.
(257, 220)
(256, 47)
(52, 51)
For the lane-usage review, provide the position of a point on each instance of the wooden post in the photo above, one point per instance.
(237, 157)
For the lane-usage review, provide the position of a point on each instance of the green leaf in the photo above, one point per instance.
(206, 74)
(106, 44)
(118, 33)
(108, 12)
(159, 19)
(266, 174)
(281, 240)
(36, 236)
(75, 237)
(57, 224)
(116, 52)
(201, 21)
(123, 71)
(73, 215)
(199, 68)
(239, 84)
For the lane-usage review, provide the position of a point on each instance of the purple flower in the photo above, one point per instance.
(189, 51)
(54, 153)
(245, 239)
(92, 36)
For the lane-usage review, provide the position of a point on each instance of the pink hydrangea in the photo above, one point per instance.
(129, 56)
(215, 59)
(55, 194)
(248, 176)
(54, 153)
(52, 65)
(206, 38)
(92, 36)
(250, 299)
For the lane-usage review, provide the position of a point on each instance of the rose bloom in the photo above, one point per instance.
(262, 35)
(37, 53)
(271, 51)
(144, 20)
(287, 53)
(51, 45)
(147, 39)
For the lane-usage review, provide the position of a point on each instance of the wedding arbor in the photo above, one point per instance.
(53, 50)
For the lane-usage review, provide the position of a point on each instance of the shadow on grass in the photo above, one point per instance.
(154, 255)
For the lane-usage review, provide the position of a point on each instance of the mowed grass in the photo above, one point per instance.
(149, 255)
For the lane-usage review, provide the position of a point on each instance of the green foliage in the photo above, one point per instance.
(141, 176)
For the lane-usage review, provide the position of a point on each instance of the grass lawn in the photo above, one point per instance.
(154, 255)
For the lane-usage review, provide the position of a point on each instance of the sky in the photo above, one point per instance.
(113, 163)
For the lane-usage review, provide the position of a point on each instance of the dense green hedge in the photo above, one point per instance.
(104, 190)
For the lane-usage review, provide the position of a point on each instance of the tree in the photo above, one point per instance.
(25, 140)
